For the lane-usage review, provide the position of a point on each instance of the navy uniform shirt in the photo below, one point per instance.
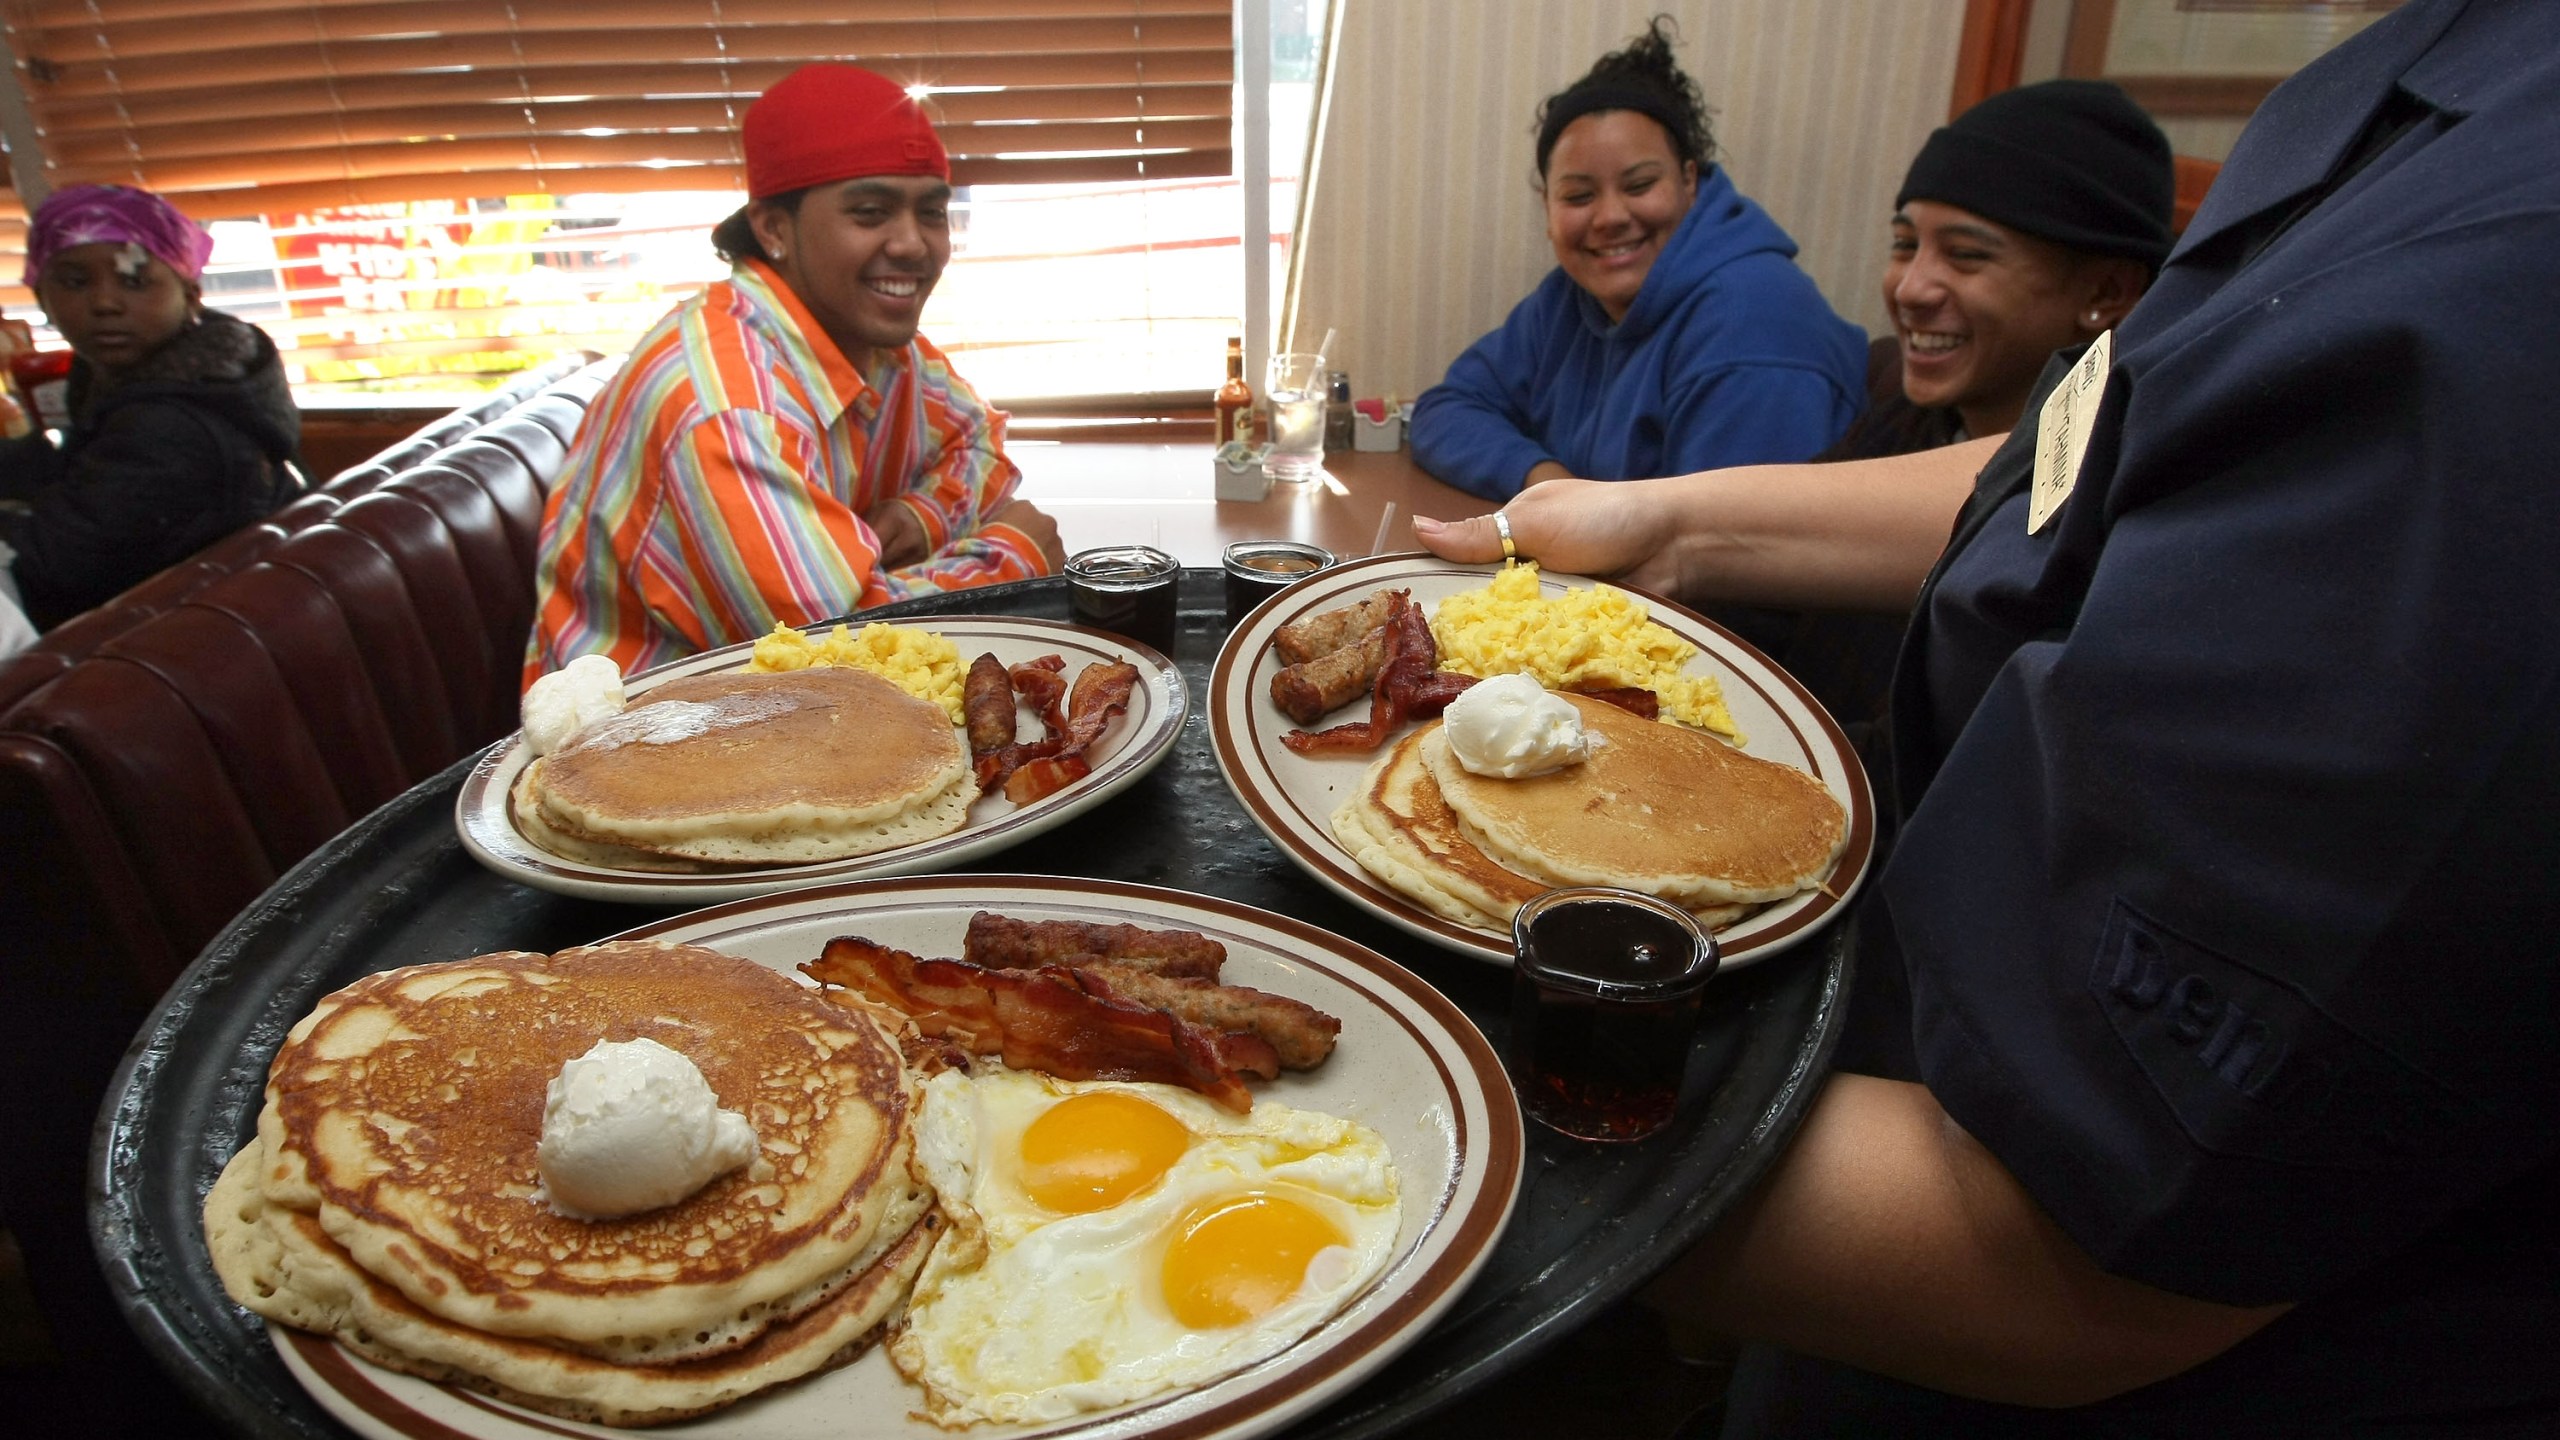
(2226, 888)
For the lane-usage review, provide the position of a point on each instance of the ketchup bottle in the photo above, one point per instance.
(44, 378)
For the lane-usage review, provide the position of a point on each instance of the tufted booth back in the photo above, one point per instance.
(521, 420)
(225, 717)
(165, 758)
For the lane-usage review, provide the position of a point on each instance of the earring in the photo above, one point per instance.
(2095, 316)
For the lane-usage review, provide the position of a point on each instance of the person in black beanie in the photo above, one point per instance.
(2031, 223)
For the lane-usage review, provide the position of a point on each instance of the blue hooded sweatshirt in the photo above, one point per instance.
(1729, 356)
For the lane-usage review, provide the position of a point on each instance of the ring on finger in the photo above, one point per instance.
(1502, 527)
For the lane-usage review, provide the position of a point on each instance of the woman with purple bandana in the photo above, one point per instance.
(182, 427)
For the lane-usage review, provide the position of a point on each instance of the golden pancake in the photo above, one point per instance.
(1398, 827)
(527, 811)
(815, 764)
(281, 1264)
(1401, 830)
(404, 1112)
(1658, 808)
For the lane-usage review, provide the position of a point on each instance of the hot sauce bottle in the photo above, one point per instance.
(1235, 398)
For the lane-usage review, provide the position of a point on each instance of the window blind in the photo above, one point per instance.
(359, 135)
(233, 107)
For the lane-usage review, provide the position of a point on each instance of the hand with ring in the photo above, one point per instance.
(1575, 527)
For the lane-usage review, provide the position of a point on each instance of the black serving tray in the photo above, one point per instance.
(1592, 1223)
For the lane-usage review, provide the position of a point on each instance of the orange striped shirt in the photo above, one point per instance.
(718, 484)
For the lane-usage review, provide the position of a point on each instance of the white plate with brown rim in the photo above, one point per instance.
(1293, 797)
(1135, 743)
(1408, 1064)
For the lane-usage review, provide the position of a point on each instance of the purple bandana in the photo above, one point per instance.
(115, 214)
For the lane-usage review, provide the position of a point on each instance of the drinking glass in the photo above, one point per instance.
(1295, 387)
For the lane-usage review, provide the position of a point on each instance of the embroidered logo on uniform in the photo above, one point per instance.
(2250, 1067)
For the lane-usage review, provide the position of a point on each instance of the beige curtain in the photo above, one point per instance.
(1423, 228)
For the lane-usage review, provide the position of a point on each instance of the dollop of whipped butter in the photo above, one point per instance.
(1510, 727)
(631, 1125)
(568, 699)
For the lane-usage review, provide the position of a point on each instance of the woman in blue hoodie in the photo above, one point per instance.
(1674, 334)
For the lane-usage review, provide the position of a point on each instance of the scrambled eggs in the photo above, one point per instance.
(917, 661)
(1598, 638)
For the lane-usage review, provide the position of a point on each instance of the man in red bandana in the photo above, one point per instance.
(785, 447)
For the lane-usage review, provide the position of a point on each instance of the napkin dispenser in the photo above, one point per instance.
(1239, 469)
(1377, 425)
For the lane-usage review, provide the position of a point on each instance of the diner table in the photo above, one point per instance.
(1592, 1222)
(1104, 493)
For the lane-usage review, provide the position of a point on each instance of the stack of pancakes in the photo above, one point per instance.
(1658, 808)
(748, 769)
(391, 1197)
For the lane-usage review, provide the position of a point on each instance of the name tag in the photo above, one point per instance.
(2062, 430)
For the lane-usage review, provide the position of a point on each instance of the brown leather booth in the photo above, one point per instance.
(545, 395)
(165, 758)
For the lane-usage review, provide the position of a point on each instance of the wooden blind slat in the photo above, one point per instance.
(422, 96)
(399, 189)
(151, 145)
(1174, 86)
(916, 49)
(743, 81)
(84, 17)
(554, 152)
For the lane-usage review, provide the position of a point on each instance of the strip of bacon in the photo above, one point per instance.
(1102, 690)
(1042, 683)
(1043, 776)
(1412, 655)
(1635, 700)
(995, 769)
(1432, 693)
(1049, 1020)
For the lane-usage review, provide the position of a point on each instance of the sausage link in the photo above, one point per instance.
(986, 699)
(1305, 692)
(1300, 641)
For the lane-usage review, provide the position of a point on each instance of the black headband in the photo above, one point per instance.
(1582, 100)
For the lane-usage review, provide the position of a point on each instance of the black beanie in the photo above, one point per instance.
(2075, 162)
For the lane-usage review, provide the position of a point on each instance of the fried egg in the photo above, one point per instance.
(1113, 1241)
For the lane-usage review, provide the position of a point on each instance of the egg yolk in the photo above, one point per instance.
(1092, 1151)
(1236, 1257)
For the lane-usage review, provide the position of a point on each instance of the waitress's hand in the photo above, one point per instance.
(1582, 527)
